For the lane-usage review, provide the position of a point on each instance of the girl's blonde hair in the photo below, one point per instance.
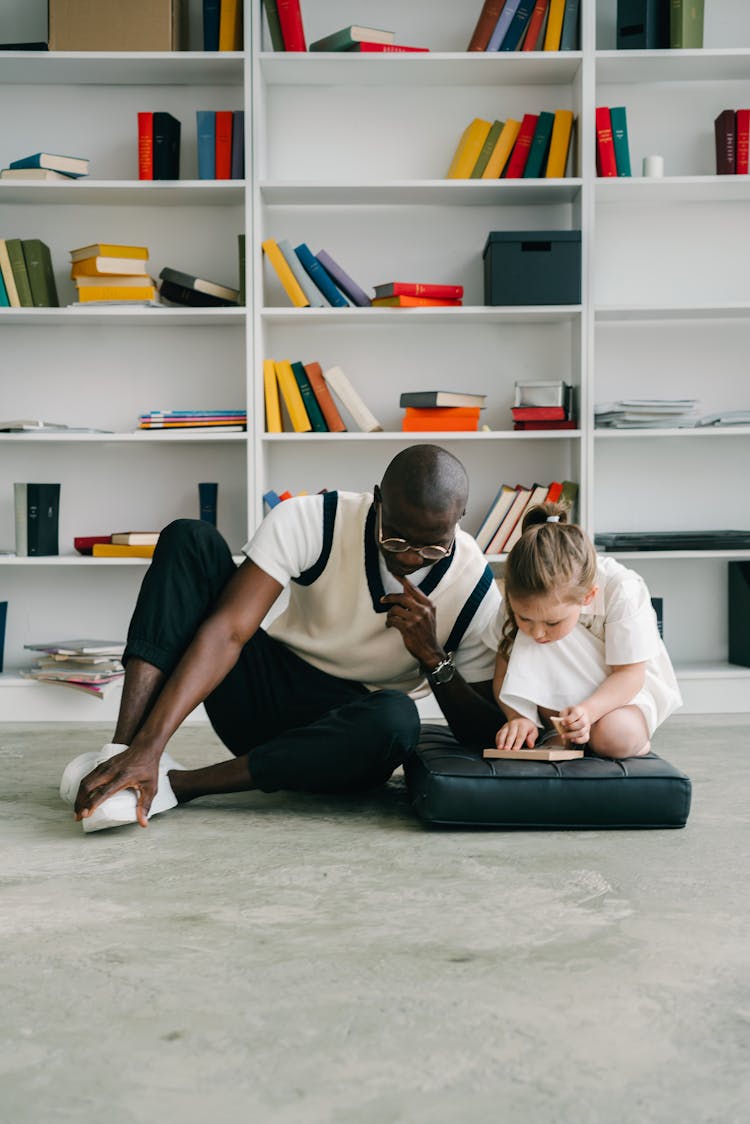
(551, 556)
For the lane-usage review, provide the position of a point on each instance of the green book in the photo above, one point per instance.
(686, 24)
(620, 138)
(486, 150)
(241, 252)
(314, 412)
(274, 27)
(41, 276)
(569, 498)
(14, 247)
(539, 146)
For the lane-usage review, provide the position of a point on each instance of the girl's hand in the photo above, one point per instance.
(576, 724)
(516, 733)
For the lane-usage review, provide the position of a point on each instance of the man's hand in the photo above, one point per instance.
(517, 733)
(413, 615)
(134, 769)
(576, 724)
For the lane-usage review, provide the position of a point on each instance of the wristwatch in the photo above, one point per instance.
(444, 671)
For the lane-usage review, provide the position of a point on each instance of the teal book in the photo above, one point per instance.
(569, 34)
(241, 264)
(319, 275)
(483, 158)
(14, 247)
(686, 24)
(41, 276)
(539, 150)
(206, 130)
(4, 301)
(314, 412)
(517, 27)
(620, 137)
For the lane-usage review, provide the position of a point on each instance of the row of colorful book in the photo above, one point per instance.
(221, 144)
(612, 142)
(287, 33)
(222, 25)
(732, 136)
(536, 147)
(91, 666)
(309, 404)
(527, 25)
(544, 404)
(26, 276)
(196, 421)
(501, 527)
(658, 25)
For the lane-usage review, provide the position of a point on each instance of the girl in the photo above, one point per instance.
(579, 641)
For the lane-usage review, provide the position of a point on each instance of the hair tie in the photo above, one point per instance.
(553, 519)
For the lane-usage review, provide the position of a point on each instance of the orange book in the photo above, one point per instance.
(223, 145)
(328, 407)
(437, 418)
(230, 28)
(521, 149)
(554, 492)
(412, 302)
(121, 550)
(534, 30)
(116, 292)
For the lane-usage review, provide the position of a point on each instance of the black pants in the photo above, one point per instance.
(301, 728)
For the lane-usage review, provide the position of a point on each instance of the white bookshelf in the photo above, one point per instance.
(347, 153)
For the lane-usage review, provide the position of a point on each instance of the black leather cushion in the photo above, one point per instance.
(450, 784)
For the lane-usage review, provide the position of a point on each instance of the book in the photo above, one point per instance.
(14, 247)
(440, 418)
(274, 27)
(314, 412)
(540, 142)
(469, 147)
(741, 139)
(569, 33)
(107, 267)
(686, 24)
(113, 550)
(518, 26)
(540, 392)
(188, 296)
(606, 164)
(535, 31)
(4, 301)
(543, 753)
(271, 498)
(114, 292)
(205, 120)
(565, 423)
(46, 174)
(553, 34)
(320, 277)
(208, 494)
(348, 37)
(618, 118)
(271, 397)
(74, 166)
(495, 513)
(200, 284)
(223, 145)
(538, 413)
(559, 145)
(538, 495)
(554, 492)
(328, 407)
(237, 163)
(519, 156)
(41, 275)
(342, 279)
(502, 150)
(305, 282)
(418, 289)
(292, 29)
(37, 514)
(414, 302)
(230, 25)
(342, 387)
(485, 25)
(283, 272)
(135, 538)
(387, 48)
(166, 146)
(211, 13)
(241, 267)
(145, 127)
(433, 398)
(507, 523)
(290, 392)
(487, 149)
(109, 250)
(569, 496)
(123, 280)
(738, 596)
(6, 271)
(35, 45)
(725, 136)
(504, 21)
(84, 647)
(643, 25)
(84, 543)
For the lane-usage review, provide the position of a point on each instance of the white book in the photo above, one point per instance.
(348, 396)
(34, 174)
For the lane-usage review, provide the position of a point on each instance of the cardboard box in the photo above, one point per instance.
(117, 25)
(532, 267)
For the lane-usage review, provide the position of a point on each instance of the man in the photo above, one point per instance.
(385, 592)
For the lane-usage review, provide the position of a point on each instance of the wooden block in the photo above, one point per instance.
(545, 753)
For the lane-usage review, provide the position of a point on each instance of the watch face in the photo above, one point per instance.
(444, 671)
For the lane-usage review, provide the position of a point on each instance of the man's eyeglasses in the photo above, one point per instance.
(400, 546)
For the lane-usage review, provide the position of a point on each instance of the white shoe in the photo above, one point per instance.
(119, 809)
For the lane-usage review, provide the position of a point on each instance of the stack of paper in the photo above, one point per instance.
(647, 413)
(91, 666)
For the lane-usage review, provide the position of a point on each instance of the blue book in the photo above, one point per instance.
(620, 138)
(271, 498)
(314, 412)
(539, 146)
(308, 287)
(74, 166)
(518, 26)
(502, 25)
(343, 280)
(206, 126)
(569, 34)
(316, 272)
(211, 14)
(4, 302)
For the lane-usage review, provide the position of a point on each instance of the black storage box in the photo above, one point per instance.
(532, 267)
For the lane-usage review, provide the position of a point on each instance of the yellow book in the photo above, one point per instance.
(292, 397)
(554, 25)
(559, 144)
(271, 394)
(101, 267)
(291, 285)
(108, 250)
(230, 25)
(502, 150)
(121, 550)
(469, 147)
(116, 293)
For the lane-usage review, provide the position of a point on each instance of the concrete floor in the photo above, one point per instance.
(287, 959)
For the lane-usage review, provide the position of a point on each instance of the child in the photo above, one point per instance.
(580, 641)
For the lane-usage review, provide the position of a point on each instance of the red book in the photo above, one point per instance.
(384, 48)
(536, 23)
(290, 20)
(84, 544)
(417, 289)
(568, 423)
(554, 492)
(742, 140)
(145, 146)
(520, 154)
(223, 144)
(538, 413)
(606, 164)
(486, 23)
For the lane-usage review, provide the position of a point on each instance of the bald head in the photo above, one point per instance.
(427, 477)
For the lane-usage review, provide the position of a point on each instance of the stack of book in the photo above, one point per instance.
(120, 544)
(222, 25)
(367, 40)
(436, 410)
(197, 421)
(411, 294)
(91, 666)
(527, 25)
(501, 527)
(544, 405)
(27, 279)
(312, 280)
(647, 413)
(612, 145)
(536, 147)
(309, 406)
(187, 289)
(221, 144)
(46, 166)
(732, 137)
(109, 272)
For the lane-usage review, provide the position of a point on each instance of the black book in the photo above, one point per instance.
(23, 47)
(739, 613)
(237, 165)
(181, 294)
(673, 540)
(37, 510)
(657, 604)
(643, 25)
(166, 140)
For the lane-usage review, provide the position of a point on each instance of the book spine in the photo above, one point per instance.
(314, 412)
(206, 132)
(468, 149)
(486, 151)
(295, 407)
(41, 512)
(344, 390)
(316, 272)
(569, 33)
(4, 299)
(502, 150)
(238, 145)
(559, 145)
(536, 24)
(637, 25)
(292, 30)
(211, 10)
(230, 25)
(241, 268)
(183, 294)
(406, 289)
(618, 118)
(21, 519)
(271, 397)
(41, 276)
(725, 136)
(686, 24)
(518, 26)
(742, 137)
(328, 407)
(501, 27)
(553, 33)
(309, 288)
(485, 25)
(207, 503)
(522, 148)
(606, 164)
(739, 613)
(284, 274)
(17, 260)
(540, 143)
(166, 143)
(342, 279)
(223, 144)
(145, 146)
(274, 27)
